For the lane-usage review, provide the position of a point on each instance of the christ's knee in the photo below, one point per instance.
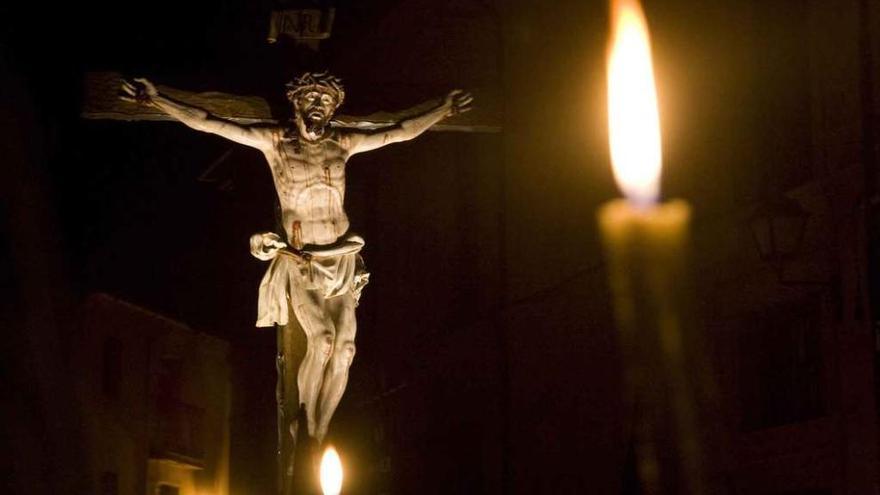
(343, 356)
(322, 344)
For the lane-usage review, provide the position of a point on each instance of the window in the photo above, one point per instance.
(111, 362)
(169, 382)
(780, 365)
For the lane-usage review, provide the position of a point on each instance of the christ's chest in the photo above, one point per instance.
(298, 166)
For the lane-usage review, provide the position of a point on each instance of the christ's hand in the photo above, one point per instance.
(457, 101)
(138, 90)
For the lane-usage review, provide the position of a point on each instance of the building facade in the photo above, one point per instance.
(155, 398)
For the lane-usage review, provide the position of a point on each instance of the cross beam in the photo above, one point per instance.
(102, 102)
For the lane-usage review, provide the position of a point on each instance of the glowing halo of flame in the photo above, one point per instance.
(633, 118)
(331, 472)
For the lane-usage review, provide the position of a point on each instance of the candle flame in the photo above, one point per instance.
(633, 119)
(331, 472)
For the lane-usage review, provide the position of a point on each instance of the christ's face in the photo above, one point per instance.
(313, 112)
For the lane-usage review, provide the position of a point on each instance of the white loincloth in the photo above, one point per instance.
(332, 275)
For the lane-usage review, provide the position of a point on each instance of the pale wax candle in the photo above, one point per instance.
(645, 246)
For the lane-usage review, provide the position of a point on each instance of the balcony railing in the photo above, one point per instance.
(178, 432)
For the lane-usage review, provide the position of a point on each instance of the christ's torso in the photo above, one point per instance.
(310, 181)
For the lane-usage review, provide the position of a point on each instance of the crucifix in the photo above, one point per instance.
(316, 274)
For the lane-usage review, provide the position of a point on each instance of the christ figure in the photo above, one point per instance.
(316, 274)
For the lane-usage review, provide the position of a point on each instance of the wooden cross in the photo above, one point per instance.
(102, 102)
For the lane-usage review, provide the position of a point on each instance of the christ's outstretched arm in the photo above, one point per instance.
(144, 92)
(456, 102)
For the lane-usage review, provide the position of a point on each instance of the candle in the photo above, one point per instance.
(331, 472)
(645, 245)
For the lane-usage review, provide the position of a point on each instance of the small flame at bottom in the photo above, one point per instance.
(331, 472)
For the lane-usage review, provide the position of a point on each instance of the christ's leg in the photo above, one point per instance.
(320, 332)
(341, 308)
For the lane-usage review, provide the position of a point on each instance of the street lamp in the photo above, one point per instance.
(778, 226)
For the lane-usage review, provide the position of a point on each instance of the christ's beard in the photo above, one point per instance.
(315, 123)
(316, 127)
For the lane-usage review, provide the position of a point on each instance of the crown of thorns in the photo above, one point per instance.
(323, 81)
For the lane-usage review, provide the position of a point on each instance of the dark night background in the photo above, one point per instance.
(487, 359)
